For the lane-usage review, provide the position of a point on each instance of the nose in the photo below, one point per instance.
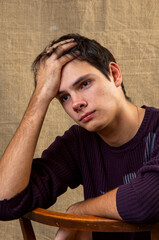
(78, 105)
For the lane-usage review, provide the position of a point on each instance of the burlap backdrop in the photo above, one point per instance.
(130, 29)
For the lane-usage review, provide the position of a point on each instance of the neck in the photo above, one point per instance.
(124, 126)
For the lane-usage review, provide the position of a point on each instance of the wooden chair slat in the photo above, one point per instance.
(81, 223)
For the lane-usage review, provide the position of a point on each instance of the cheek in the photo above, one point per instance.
(100, 96)
(68, 109)
(107, 94)
(105, 101)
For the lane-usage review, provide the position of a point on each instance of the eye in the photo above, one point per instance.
(85, 84)
(64, 98)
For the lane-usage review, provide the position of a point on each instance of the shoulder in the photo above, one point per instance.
(151, 118)
(152, 110)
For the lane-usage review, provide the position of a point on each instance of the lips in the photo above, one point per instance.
(86, 117)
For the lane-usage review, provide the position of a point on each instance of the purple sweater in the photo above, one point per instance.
(82, 157)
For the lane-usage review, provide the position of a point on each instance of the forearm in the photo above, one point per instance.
(15, 165)
(103, 206)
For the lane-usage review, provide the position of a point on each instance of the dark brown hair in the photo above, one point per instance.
(90, 51)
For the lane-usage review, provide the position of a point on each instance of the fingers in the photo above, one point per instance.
(67, 58)
(59, 48)
(65, 234)
(54, 46)
(49, 67)
(63, 42)
(55, 53)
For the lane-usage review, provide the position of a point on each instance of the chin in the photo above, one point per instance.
(92, 127)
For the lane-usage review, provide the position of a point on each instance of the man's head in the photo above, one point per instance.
(90, 51)
(89, 98)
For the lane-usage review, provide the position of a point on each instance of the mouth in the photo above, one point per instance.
(86, 117)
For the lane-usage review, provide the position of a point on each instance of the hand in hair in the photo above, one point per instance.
(49, 67)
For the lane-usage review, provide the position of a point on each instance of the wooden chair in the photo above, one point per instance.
(81, 222)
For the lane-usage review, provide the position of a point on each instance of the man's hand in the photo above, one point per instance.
(102, 206)
(65, 234)
(49, 69)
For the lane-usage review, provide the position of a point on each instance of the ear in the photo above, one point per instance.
(115, 73)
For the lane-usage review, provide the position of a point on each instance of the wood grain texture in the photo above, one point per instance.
(82, 223)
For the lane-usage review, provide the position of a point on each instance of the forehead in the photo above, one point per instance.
(77, 67)
(74, 70)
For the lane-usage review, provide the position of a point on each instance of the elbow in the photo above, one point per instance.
(143, 218)
(138, 206)
(15, 207)
(149, 214)
(144, 213)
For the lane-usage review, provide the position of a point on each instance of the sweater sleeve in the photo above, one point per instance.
(51, 174)
(138, 201)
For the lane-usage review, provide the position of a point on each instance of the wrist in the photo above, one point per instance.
(37, 108)
(80, 208)
(75, 209)
(42, 96)
(46, 92)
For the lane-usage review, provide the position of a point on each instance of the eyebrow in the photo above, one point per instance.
(78, 80)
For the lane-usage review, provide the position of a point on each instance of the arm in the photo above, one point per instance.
(103, 206)
(16, 163)
(135, 202)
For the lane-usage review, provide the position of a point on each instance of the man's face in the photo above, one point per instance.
(88, 97)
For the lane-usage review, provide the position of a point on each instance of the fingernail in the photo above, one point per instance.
(71, 39)
(77, 51)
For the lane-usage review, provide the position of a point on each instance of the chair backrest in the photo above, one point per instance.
(81, 222)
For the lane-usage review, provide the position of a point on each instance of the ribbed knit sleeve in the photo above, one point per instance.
(50, 177)
(138, 201)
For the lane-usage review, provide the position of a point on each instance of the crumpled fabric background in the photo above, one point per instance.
(130, 29)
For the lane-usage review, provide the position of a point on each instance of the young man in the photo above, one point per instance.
(113, 153)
